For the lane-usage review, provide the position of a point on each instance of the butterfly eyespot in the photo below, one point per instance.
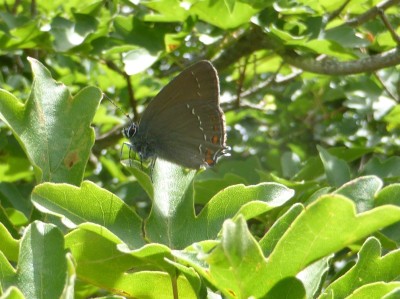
(130, 131)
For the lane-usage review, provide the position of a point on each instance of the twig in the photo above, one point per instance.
(33, 8)
(289, 77)
(15, 6)
(385, 88)
(228, 107)
(262, 85)
(108, 139)
(131, 94)
(371, 13)
(338, 11)
(242, 74)
(385, 21)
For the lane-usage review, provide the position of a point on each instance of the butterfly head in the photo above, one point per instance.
(130, 131)
(139, 143)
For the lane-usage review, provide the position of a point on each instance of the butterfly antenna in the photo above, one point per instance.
(119, 108)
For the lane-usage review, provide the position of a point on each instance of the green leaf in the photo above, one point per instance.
(248, 201)
(104, 260)
(246, 170)
(218, 14)
(230, 4)
(289, 287)
(312, 169)
(90, 203)
(362, 191)
(6, 222)
(42, 247)
(392, 118)
(314, 275)
(133, 31)
(68, 35)
(12, 293)
(346, 36)
(141, 175)
(337, 171)
(14, 168)
(172, 220)
(51, 127)
(172, 207)
(271, 238)
(292, 8)
(8, 245)
(386, 168)
(392, 294)
(327, 47)
(290, 164)
(326, 226)
(207, 186)
(138, 60)
(376, 290)
(13, 195)
(16, 217)
(69, 289)
(168, 11)
(390, 195)
(236, 265)
(370, 267)
(309, 237)
(22, 32)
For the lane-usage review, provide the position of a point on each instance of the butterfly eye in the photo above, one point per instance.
(130, 131)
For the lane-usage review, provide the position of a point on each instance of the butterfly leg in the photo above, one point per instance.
(129, 155)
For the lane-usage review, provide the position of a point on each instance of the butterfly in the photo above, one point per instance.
(184, 123)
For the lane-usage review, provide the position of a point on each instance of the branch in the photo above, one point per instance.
(255, 39)
(129, 87)
(383, 84)
(371, 13)
(338, 11)
(329, 66)
(269, 82)
(252, 40)
(389, 26)
(108, 139)
(240, 81)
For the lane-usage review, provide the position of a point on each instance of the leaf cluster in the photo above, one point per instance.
(306, 206)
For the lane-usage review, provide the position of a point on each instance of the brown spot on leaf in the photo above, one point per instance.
(232, 293)
(71, 159)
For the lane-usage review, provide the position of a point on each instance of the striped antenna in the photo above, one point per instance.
(127, 130)
(119, 108)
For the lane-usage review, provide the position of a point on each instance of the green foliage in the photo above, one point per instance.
(57, 153)
(306, 206)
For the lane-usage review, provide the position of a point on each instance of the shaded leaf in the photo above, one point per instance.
(109, 264)
(337, 171)
(90, 203)
(42, 247)
(371, 267)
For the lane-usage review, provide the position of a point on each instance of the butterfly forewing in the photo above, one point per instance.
(199, 81)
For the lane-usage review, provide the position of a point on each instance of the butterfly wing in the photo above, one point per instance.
(184, 122)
